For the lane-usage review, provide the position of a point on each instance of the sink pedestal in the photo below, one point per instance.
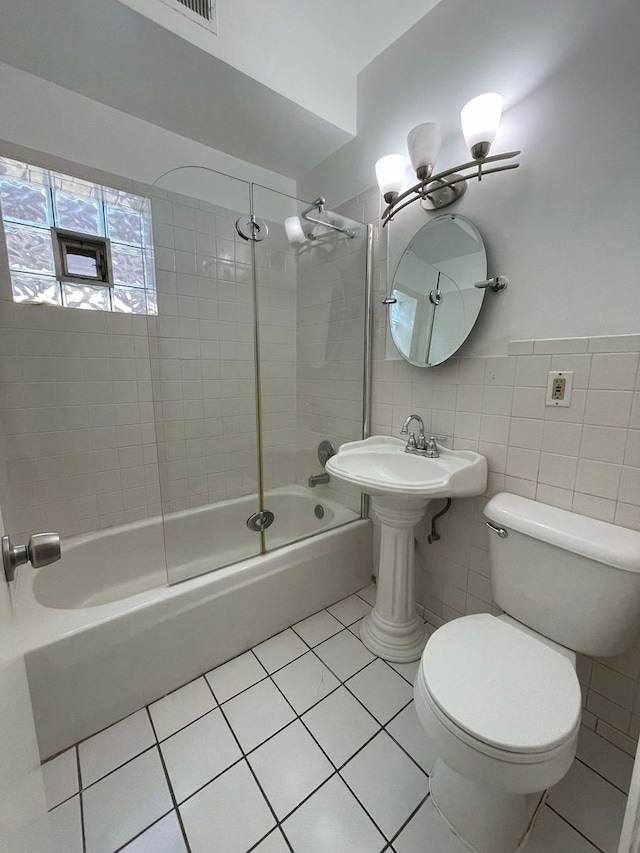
(393, 630)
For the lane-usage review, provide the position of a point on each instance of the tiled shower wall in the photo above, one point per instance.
(203, 355)
(585, 458)
(77, 416)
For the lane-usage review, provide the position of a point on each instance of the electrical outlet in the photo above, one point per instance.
(559, 386)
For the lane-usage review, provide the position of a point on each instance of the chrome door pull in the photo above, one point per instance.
(40, 550)
(502, 533)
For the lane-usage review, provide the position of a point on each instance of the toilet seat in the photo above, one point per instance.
(500, 689)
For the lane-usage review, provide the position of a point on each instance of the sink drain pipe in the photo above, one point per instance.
(434, 536)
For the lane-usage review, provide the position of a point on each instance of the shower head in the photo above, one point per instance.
(318, 205)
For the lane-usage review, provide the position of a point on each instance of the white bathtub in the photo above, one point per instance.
(105, 634)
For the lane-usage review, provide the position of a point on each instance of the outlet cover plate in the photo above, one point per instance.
(555, 386)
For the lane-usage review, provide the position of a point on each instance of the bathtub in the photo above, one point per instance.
(104, 634)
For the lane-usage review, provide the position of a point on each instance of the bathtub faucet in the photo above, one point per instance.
(318, 479)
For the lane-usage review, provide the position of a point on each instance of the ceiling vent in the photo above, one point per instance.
(199, 7)
(194, 20)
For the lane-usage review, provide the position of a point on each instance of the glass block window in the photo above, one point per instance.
(38, 204)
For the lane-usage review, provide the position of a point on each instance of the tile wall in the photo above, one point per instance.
(585, 458)
(83, 392)
(203, 355)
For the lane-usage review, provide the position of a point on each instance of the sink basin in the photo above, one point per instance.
(379, 466)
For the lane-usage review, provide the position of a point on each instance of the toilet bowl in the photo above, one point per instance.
(498, 699)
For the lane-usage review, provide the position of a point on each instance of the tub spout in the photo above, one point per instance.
(318, 480)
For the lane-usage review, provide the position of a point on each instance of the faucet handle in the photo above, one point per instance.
(441, 438)
(411, 442)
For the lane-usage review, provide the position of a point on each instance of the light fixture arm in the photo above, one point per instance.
(447, 179)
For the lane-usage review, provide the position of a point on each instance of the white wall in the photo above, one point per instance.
(41, 115)
(563, 227)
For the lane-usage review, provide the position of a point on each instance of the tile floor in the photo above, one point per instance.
(306, 743)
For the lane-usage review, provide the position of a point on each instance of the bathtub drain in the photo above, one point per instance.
(318, 511)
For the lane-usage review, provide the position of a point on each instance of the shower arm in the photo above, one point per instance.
(318, 205)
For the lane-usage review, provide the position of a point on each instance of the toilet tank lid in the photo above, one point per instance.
(597, 540)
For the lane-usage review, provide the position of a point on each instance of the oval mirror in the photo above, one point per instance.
(437, 304)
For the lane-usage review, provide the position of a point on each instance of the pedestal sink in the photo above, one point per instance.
(401, 486)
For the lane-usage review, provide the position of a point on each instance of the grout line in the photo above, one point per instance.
(604, 778)
(120, 766)
(255, 778)
(170, 786)
(81, 799)
(319, 745)
(130, 840)
(410, 818)
(575, 828)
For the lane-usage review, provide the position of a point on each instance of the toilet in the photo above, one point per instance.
(498, 696)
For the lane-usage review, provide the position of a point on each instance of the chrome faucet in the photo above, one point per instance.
(414, 445)
(421, 445)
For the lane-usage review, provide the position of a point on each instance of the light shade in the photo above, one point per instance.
(390, 172)
(480, 120)
(424, 145)
(293, 230)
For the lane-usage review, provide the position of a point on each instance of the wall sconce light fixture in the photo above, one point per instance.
(480, 120)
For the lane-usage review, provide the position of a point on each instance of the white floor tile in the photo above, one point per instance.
(228, 816)
(381, 690)
(280, 650)
(332, 820)
(181, 707)
(110, 748)
(305, 682)
(163, 837)
(391, 803)
(257, 714)
(344, 654)
(341, 725)
(121, 805)
(273, 843)
(407, 729)
(407, 670)
(235, 676)
(369, 593)
(318, 627)
(66, 827)
(289, 767)
(605, 758)
(61, 778)
(198, 753)
(350, 609)
(428, 833)
(552, 835)
(590, 804)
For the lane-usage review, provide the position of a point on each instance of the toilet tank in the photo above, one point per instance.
(573, 579)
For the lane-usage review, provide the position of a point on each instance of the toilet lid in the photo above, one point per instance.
(502, 686)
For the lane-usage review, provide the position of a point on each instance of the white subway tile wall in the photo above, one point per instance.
(584, 458)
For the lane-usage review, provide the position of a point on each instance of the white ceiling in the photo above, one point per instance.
(276, 87)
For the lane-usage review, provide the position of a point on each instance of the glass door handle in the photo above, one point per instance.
(41, 550)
